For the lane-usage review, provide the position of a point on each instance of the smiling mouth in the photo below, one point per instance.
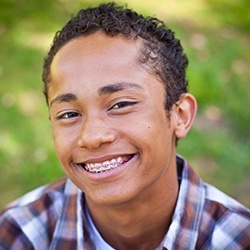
(106, 165)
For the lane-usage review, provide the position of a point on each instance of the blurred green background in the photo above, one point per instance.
(216, 37)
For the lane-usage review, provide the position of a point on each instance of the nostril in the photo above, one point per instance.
(94, 139)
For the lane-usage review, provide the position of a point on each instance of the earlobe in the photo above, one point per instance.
(185, 111)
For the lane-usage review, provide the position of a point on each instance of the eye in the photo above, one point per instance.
(124, 104)
(68, 115)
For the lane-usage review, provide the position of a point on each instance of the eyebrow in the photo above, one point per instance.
(112, 88)
(108, 89)
(64, 98)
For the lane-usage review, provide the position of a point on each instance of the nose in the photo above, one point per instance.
(95, 132)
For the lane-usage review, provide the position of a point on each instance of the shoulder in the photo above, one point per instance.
(215, 219)
(33, 214)
(37, 194)
(216, 198)
(224, 222)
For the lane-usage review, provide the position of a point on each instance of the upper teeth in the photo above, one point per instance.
(106, 165)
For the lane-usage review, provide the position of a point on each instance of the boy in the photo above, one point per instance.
(115, 85)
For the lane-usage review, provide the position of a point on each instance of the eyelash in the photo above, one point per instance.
(124, 104)
(120, 105)
(68, 114)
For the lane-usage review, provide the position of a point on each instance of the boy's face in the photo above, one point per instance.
(110, 128)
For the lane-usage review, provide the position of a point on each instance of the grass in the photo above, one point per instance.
(217, 46)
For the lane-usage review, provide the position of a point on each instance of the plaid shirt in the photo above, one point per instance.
(51, 217)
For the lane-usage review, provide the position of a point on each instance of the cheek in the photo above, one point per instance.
(155, 125)
(63, 141)
(151, 136)
(160, 137)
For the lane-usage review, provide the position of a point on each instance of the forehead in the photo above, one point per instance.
(96, 49)
(86, 64)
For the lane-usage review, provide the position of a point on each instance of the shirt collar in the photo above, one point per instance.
(183, 231)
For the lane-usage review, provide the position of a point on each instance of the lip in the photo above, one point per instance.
(111, 173)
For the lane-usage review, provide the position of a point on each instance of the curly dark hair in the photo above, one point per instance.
(161, 51)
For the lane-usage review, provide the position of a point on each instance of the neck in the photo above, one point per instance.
(138, 224)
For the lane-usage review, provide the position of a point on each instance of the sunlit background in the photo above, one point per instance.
(216, 37)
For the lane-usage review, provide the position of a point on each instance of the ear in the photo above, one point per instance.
(185, 112)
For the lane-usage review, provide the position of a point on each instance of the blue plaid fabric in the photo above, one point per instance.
(52, 217)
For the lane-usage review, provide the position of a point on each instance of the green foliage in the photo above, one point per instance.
(233, 12)
(215, 35)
